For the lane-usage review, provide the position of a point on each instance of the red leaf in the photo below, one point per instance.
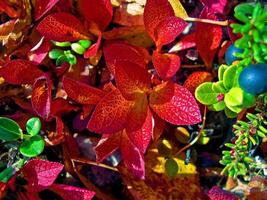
(107, 145)
(131, 79)
(42, 7)
(71, 192)
(41, 97)
(122, 52)
(80, 92)
(132, 157)
(62, 27)
(208, 38)
(216, 193)
(175, 104)
(40, 51)
(142, 137)
(20, 72)
(138, 113)
(40, 174)
(168, 29)
(186, 42)
(195, 79)
(166, 65)
(97, 11)
(61, 106)
(155, 11)
(216, 5)
(110, 114)
(94, 48)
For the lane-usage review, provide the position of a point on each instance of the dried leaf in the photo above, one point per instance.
(178, 9)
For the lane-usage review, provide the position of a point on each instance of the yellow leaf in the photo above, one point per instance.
(178, 9)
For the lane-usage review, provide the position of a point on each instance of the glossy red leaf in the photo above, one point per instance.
(110, 114)
(40, 174)
(42, 7)
(168, 29)
(62, 27)
(20, 72)
(39, 52)
(216, 5)
(107, 145)
(175, 104)
(186, 42)
(132, 157)
(71, 192)
(131, 79)
(155, 11)
(195, 79)
(141, 138)
(81, 92)
(41, 97)
(94, 48)
(97, 11)
(119, 51)
(166, 64)
(208, 38)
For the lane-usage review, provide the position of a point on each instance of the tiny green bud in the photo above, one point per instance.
(77, 48)
(85, 43)
(55, 53)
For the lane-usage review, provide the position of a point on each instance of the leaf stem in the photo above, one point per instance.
(207, 21)
(198, 136)
(89, 162)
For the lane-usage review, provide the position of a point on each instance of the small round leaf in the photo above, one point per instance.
(85, 43)
(33, 126)
(171, 167)
(32, 147)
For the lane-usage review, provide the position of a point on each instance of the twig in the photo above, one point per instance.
(207, 21)
(198, 136)
(89, 162)
(192, 66)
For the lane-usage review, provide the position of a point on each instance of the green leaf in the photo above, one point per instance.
(230, 145)
(62, 44)
(171, 167)
(234, 97)
(205, 95)
(70, 57)
(249, 100)
(32, 147)
(221, 71)
(61, 59)
(235, 109)
(217, 106)
(55, 53)
(85, 43)
(9, 130)
(219, 87)
(77, 48)
(33, 126)
(229, 76)
(229, 113)
(6, 174)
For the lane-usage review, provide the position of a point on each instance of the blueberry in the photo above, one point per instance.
(229, 54)
(253, 79)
